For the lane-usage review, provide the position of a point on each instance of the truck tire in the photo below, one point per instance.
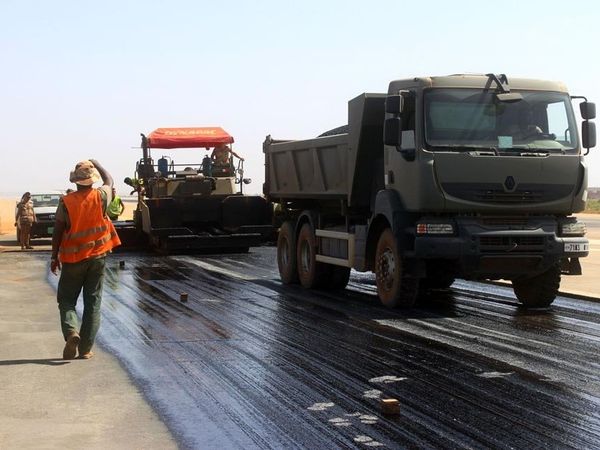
(393, 286)
(540, 290)
(312, 274)
(286, 254)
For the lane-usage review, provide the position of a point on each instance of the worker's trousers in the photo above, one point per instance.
(86, 275)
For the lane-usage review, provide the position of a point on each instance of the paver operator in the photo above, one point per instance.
(83, 235)
(221, 155)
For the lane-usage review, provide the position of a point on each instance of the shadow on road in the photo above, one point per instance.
(44, 362)
(8, 243)
(349, 302)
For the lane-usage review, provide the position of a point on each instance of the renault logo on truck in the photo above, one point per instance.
(509, 183)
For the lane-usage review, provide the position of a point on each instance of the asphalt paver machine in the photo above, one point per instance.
(196, 206)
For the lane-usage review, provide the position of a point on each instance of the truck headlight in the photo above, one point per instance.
(572, 229)
(435, 228)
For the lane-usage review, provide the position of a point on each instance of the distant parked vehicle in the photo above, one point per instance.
(44, 207)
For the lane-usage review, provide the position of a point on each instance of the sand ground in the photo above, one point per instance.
(7, 214)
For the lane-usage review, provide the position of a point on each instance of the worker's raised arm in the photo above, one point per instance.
(106, 177)
(236, 155)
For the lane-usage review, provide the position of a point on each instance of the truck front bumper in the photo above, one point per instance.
(483, 251)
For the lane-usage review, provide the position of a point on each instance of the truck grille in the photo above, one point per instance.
(496, 194)
(512, 244)
(505, 221)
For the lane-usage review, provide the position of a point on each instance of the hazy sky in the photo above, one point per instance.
(82, 79)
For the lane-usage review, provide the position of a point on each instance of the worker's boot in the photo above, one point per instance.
(85, 351)
(86, 355)
(70, 349)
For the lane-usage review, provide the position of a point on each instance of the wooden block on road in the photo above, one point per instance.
(390, 406)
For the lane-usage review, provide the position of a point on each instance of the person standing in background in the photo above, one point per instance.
(115, 207)
(83, 236)
(24, 220)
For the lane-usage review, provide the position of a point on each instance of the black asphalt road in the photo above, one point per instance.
(249, 363)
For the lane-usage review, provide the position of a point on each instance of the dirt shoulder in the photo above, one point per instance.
(7, 214)
(51, 403)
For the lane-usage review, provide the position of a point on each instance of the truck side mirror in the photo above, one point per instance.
(588, 134)
(588, 110)
(392, 131)
(394, 104)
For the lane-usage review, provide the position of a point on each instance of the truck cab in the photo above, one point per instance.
(476, 148)
(494, 170)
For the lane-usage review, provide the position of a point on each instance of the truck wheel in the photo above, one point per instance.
(286, 254)
(312, 274)
(393, 286)
(540, 290)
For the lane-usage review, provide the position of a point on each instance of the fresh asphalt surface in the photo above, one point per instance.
(247, 362)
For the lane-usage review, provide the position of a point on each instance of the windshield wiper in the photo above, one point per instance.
(466, 148)
(528, 149)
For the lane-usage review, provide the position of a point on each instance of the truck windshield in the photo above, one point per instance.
(467, 119)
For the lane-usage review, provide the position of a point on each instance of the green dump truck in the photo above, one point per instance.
(461, 176)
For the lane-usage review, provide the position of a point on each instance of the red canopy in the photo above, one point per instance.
(188, 137)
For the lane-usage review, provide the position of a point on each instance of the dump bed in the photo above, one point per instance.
(342, 166)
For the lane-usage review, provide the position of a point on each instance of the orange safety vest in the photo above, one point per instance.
(91, 233)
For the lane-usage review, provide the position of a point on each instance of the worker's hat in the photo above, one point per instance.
(84, 174)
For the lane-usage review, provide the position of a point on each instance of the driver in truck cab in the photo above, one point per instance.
(524, 126)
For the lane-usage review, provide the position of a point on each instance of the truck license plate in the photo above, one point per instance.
(578, 248)
(51, 230)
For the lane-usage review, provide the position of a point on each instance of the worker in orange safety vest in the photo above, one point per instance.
(83, 236)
